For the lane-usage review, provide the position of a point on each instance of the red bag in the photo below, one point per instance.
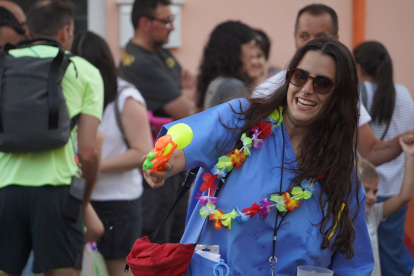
(151, 259)
(170, 259)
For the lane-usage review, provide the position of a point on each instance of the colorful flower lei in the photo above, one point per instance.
(284, 202)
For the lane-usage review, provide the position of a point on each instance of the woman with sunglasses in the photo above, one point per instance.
(271, 220)
(392, 110)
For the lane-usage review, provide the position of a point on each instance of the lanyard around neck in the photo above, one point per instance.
(273, 258)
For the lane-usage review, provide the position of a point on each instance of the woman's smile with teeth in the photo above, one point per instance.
(305, 103)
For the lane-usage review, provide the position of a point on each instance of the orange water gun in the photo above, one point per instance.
(178, 136)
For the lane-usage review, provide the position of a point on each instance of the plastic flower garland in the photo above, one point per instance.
(283, 203)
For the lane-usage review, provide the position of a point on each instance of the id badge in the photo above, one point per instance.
(74, 201)
(215, 249)
(77, 187)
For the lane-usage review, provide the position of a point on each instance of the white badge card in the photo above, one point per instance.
(214, 249)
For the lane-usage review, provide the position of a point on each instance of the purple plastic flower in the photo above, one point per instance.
(206, 199)
(257, 142)
(266, 208)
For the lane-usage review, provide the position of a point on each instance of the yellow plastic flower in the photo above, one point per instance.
(276, 115)
(226, 219)
(225, 162)
(300, 194)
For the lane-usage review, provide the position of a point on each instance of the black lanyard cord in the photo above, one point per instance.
(280, 190)
(277, 229)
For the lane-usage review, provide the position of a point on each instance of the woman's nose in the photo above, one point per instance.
(307, 88)
(254, 61)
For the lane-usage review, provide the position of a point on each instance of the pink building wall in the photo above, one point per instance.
(391, 22)
(276, 18)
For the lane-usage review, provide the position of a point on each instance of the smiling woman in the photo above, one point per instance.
(305, 98)
(291, 160)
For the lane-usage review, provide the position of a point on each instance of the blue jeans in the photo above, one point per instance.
(394, 255)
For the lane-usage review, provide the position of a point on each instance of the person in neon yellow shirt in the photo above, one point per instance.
(34, 187)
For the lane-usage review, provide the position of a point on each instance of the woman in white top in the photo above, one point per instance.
(116, 197)
(392, 111)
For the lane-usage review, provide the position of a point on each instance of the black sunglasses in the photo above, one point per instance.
(321, 84)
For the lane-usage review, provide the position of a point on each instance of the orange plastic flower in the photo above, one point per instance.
(217, 218)
(290, 204)
(237, 158)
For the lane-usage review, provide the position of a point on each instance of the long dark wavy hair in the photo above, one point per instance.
(222, 55)
(376, 62)
(329, 145)
(94, 49)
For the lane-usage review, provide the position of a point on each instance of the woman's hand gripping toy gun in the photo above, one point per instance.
(177, 137)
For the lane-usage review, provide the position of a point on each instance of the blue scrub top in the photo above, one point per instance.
(247, 247)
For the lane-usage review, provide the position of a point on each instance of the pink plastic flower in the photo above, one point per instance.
(266, 208)
(257, 142)
(206, 199)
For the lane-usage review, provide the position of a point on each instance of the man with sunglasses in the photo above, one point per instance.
(152, 69)
(157, 75)
(318, 20)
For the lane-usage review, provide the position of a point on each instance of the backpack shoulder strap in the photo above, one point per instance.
(3, 53)
(53, 100)
(189, 179)
(118, 113)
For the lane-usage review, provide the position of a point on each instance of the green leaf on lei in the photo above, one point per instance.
(226, 218)
(225, 162)
(300, 194)
(277, 116)
(207, 210)
(280, 202)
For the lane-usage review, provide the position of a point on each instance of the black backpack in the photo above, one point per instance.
(33, 111)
